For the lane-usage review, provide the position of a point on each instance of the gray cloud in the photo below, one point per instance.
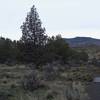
(58, 16)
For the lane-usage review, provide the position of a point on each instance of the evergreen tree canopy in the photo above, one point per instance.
(32, 30)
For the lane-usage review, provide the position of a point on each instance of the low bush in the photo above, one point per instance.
(31, 82)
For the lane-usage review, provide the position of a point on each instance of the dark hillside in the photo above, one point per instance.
(82, 41)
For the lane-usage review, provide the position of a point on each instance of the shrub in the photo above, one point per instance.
(76, 91)
(31, 82)
(51, 72)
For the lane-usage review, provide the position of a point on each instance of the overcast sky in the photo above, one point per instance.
(69, 18)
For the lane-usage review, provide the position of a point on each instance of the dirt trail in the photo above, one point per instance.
(94, 90)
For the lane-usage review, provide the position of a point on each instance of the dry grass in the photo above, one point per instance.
(59, 89)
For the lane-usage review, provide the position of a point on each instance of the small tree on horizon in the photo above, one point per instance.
(32, 31)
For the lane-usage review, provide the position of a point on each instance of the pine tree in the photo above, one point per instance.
(32, 30)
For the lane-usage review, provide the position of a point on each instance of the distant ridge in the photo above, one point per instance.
(82, 41)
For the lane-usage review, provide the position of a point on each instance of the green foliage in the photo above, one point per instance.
(78, 57)
(57, 49)
(8, 50)
(32, 30)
